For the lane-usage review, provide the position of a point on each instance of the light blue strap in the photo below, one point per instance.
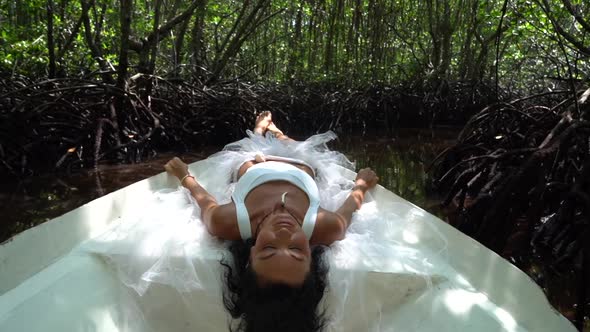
(310, 218)
(243, 220)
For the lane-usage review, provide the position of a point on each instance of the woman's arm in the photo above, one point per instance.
(332, 226)
(220, 220)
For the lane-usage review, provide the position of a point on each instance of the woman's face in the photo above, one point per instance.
(281, 253)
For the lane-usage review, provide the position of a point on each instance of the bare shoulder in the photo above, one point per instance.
(224, 223)
(328, 228)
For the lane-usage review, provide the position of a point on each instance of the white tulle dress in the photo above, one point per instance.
(165, 248)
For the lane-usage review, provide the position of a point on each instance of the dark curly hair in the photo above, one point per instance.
(275, 307)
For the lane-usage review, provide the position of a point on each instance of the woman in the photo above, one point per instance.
(277, 277)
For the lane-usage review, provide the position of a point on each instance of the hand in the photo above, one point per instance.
(176, 167)
(366, 179)
(259, 158)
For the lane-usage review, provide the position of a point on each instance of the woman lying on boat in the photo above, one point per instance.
(277, 276)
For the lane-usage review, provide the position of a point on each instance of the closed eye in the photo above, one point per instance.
(270, 252)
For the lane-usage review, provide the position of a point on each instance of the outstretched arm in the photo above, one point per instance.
(220, 220)
(332, 226)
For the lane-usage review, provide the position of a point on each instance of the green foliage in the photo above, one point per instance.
(351, 42)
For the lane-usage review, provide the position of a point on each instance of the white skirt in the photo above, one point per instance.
(166, 244)
(332, 186)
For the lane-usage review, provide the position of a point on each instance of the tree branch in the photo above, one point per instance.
(94, 49)
(164, 29)
(235, 26)
(70, 39)
(135, 45)
(570, 38)
(568, 5)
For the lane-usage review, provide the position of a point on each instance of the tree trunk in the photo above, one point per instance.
(353, 38)
(178, 45)
(314, 23)
(125, 22)
(94, 48)
(50, 42)
(467, 52)
(246, 26)
(292, 71)
(117, 119)
(100, 22)
(446, 30)
(199, 57)
(148, 49)
(156, 33)
(433, 27)
(70, 40)
(329, 52)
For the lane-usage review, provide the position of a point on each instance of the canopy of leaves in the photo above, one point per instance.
(533, 43)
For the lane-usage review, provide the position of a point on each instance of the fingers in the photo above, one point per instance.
(177, 167)
(368, 176)
(259, 158)
(173, 164)
(168, 166)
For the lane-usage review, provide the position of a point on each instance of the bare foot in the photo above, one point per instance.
(262, 121)
(273, 129)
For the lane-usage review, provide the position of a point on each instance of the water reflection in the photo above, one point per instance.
(30, 202)
(401, 161)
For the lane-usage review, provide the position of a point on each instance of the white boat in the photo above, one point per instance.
(46, 285)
